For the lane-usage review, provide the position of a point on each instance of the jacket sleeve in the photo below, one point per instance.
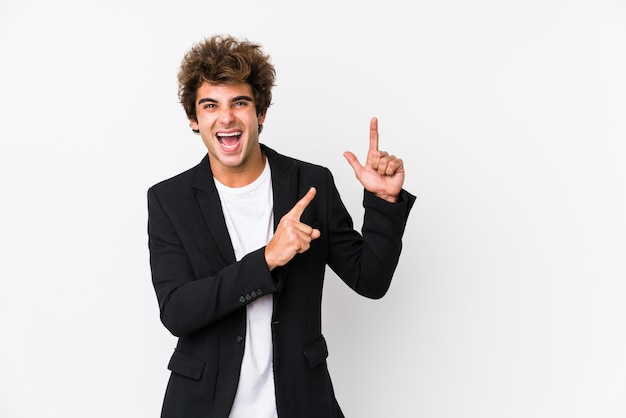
(187, 302)
(366, 262)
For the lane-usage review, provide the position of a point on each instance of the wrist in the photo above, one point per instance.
(388, 198)
(268, 260)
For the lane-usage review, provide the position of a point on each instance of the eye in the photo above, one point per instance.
(240, 103)
(208, 106)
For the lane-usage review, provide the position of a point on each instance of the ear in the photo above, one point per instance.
(261, 118)
(193, 124)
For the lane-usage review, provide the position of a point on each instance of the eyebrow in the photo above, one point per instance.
(235, 99)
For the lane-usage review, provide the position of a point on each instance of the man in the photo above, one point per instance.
(240, 242)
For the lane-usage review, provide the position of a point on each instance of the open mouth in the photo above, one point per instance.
(229, 140)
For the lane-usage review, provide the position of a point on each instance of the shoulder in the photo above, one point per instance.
(284, 164)
(178, 181)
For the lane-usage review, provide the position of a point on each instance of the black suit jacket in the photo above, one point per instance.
(202, 291)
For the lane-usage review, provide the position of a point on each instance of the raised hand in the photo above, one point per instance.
(291, 236)
(382, 174)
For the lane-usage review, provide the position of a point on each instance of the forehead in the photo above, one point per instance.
(223, 91)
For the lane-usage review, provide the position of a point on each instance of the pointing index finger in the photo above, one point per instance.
(374, 134)
(301, 205)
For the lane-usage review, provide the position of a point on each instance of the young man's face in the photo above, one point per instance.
(229, 127)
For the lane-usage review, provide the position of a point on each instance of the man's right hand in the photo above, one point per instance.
(292, 236)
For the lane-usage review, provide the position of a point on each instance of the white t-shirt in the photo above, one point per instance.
(249, 217)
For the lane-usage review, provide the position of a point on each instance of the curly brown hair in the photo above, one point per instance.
(221, 60)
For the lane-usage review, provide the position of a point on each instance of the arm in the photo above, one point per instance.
(367, 262)
(188, 302)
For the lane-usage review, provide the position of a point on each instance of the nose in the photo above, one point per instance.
(226, 116)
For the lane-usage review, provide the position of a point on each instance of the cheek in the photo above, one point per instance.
(205, 120)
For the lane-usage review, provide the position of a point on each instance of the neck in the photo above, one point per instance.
(240, 176)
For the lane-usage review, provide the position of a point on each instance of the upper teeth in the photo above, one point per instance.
(229, 134)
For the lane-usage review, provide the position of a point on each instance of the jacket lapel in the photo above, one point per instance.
(284, 183)
(285, 191)
(211, 209)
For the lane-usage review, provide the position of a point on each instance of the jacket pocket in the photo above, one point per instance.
(186, 366)
(317, 352)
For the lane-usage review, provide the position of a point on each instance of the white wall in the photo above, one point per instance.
(510, 116)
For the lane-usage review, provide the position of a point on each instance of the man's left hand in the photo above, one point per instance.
(382, 174)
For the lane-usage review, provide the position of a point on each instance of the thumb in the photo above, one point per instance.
(353, 161)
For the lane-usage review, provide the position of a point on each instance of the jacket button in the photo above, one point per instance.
(242, 299)
(248, 297)
(239, 339)
(259, 292)
(253, 294)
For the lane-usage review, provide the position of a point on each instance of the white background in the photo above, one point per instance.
(509, 300)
